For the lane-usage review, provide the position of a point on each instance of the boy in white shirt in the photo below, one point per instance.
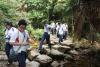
(65, 27)
(20, 41)
(53, 26)
(60, 33)
(45, 36)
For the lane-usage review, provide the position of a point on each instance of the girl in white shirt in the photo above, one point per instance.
(10, 30)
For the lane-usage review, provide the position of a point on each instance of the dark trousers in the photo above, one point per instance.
(65, 35)
(7, 50)
(22, 59)
(60, 38)
(47, 37)
(53, 31)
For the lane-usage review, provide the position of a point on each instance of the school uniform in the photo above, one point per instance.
(53, 28)
(46, 35)
(60, 33)
(65, 28)
(21, 49)
(8, 33)
(57, 30)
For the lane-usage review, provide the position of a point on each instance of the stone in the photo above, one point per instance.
(32, 64)
(59, 64)
(74, 52)
(64, 49)
(56, 55)
(33, 54)
(43, 59)
(68, 57)
(55, 52)
(54, 64)
(3, 57)
(56, 46)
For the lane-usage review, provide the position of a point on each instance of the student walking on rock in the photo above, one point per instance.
(20, 41)
(45, 36)
(10, 30)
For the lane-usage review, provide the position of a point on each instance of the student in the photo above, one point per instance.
(65, 28)
(46, 35)
(60, 33)
(57, 29)
(20, 41)
(53, 26)
(10, 30)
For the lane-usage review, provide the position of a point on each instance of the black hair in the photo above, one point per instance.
(8, 23)
(22, 22)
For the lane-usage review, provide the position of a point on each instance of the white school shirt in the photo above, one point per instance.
(61, 31)
(46, 28)
(65, 27)
(9, 32)
(57, 28)
(22, 36)
(53, 25)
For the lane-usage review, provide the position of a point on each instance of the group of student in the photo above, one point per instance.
(18, 38)
(61, 31)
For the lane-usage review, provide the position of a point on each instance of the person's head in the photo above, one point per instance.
(8, 24)
(22, 25)
(45, 23)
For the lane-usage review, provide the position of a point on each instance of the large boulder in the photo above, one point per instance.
(56, 55)
(44, 60)
(32, 54)
(64, 49)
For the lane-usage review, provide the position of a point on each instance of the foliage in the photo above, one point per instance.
(39, 11)
(35, 33)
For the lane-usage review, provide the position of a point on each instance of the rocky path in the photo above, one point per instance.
(64, 55)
